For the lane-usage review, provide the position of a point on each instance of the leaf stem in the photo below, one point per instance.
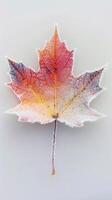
(53, 147)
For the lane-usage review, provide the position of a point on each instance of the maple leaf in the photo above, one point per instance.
(53, 92)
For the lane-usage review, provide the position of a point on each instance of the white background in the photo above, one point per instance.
(83, 155)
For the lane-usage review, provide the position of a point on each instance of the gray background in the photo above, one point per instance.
(83, 155)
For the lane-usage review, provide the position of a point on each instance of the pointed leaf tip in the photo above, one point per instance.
(11, 62)
(56, 30)
(56, 34)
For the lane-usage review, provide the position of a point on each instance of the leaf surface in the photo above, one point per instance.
(53, 92)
